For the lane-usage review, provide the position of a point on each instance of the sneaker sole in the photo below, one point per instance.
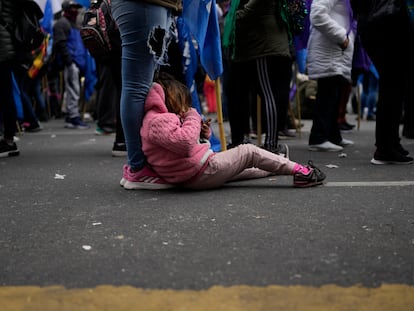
(146, 186)
(14, 153)
(380, 162)
(122, 181)
(324, 150)
(76, 127)
(103, 133)
(116, 153)
(308, 185)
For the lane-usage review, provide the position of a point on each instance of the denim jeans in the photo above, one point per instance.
(144, 29)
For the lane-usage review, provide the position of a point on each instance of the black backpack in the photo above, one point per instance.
(99, 32)
(25, 30)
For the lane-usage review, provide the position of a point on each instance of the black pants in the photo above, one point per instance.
(109, 95)
(269, 77)
(325, 112)
(7, 104)
(394, 63)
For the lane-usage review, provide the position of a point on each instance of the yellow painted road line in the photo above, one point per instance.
(235, 298)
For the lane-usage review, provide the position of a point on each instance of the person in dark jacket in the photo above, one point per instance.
(70, 53)
(261, 63)
(7, 60)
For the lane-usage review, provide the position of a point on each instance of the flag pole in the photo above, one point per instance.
(220, 114)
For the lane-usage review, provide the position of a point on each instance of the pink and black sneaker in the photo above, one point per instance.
(145, 178)
(125, 170)
(308, 177)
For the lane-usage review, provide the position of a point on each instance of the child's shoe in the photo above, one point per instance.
(313, 177)
(125, 171)
(145, 178)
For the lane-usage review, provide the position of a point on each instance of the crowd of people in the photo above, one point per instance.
(341, 50)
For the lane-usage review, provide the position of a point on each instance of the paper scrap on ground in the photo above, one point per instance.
(58, 176)
(331, 166)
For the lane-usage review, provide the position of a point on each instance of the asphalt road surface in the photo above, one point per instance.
(72, 239)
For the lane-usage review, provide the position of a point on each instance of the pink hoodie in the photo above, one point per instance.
(172, 145)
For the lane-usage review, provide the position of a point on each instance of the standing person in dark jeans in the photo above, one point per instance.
(389, 44)
(145, 31)
(257, 41)
(7, 58)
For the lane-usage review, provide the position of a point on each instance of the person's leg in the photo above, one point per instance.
(325, 110)
(119, 148)
(144, 30)
(268, 96)
(224, 82)
(7, 112)
(106, 99)
(281, 77)
(372, 95)
(72, 90)
(54, 93)
(22, 79)
(238, 101)
(391, 61)
(7, 105)
(408, 129)
(390, 101)
(237, 163)
(36, 90)
(343, 88)
(346, 92)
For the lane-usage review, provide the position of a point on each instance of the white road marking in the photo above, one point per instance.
(370, 183)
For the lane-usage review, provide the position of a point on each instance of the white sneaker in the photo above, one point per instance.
(326, 146)
(346, 142)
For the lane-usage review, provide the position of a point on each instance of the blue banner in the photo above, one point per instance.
(201, 18)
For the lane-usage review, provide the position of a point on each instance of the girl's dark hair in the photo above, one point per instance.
(177, 95)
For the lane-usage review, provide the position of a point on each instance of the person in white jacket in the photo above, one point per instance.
(329, 62)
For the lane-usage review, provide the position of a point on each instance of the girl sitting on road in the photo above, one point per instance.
(175, 142)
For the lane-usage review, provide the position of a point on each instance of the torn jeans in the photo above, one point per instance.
(144, 29)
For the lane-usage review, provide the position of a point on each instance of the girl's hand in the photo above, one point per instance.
(205, 128)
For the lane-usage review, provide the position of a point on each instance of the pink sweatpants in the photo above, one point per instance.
(242, 162)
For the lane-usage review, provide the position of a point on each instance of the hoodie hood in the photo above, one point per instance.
(155, 100)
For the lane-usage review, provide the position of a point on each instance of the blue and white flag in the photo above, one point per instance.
(47, 20)
(189, 60)
(201, 18)
(190, 65)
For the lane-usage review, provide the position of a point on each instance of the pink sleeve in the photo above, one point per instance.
(167, 131)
